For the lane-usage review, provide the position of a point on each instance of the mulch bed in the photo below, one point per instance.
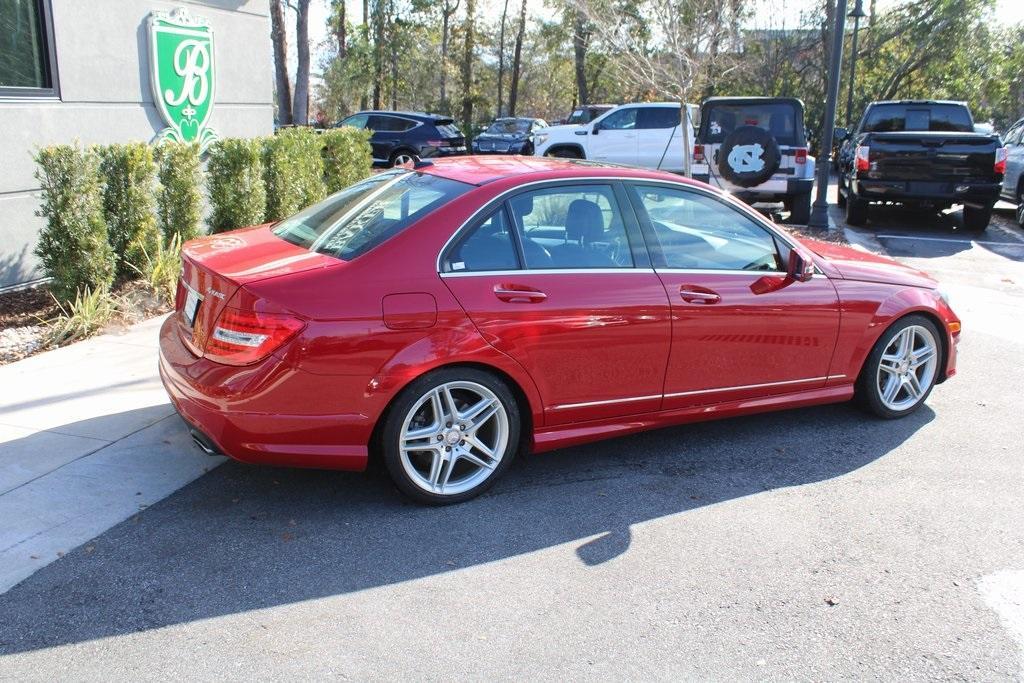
(833, 236)
(26, 307)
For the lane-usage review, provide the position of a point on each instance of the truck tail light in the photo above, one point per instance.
(1000, 166)
(801, 155)
(245, 337)
(698, 154)
(861, 158)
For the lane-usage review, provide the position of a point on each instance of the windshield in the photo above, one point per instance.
(890, 118)
(357, 219)
(509, 127)
(778, 118)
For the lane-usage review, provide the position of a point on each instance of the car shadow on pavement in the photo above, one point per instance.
(946, 230)
(245, 538)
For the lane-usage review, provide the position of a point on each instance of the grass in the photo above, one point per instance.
(90, 312)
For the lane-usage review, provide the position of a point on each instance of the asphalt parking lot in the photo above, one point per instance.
(808, 544)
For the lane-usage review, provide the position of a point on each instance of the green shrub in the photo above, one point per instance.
(89, 313)
(179, 201)
(73, 246)
(347, 157)
(162, 269)
(234, 176)
(129, 175)
(293, 171)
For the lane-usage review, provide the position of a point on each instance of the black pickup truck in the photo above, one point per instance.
(920, 153)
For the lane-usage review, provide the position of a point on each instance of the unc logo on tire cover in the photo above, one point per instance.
(747, 158)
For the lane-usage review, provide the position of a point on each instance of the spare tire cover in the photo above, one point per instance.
(748, 156)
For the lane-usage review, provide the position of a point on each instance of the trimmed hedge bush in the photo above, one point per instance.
(347, 157)
(129, 175)
(179, 200)
(235, 181)
(293, 171)
(73, 246)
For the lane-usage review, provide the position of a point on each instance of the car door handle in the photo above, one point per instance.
(519, 294)
(694, 294)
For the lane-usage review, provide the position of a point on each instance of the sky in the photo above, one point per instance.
(1007, 12)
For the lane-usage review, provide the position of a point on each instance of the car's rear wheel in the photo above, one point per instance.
(1020, 206)
(856, 210)
(901, 369)
(450, 435)
(840, 192)
(976, 219)
(400, 157)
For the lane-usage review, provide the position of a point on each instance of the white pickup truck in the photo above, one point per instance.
(644, 134)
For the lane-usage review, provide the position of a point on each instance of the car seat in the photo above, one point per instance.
(584, 228)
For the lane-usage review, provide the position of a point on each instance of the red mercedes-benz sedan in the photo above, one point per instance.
(451, 315)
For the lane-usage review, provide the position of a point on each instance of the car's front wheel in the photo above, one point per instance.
(1020, 207)
(450, 435)
(901, 369)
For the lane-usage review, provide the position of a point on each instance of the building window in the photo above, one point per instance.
(27, 63)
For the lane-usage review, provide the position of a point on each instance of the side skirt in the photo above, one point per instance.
(563, 436)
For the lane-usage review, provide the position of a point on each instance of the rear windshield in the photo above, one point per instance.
(778, 118)
(448, 129)
(893, 118)
(360, 217)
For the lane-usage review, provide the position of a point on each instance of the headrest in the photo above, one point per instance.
(584, 222)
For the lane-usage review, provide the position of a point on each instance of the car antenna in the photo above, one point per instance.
(420, 163)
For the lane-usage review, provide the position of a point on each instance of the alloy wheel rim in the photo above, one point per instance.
(402, 159)
(907, 367)
(453, 438)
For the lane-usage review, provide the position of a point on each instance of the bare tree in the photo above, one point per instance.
(517, 62)
(501, 58)
(580, 43)
(300, 104)
(279, 36)
(448, 9)
(467, 66)
(689, 45)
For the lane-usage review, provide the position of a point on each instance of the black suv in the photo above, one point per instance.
(400, 135)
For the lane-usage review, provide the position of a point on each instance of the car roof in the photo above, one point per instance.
(481, 170)
(958, 102)
(407, 114)
(751, 100)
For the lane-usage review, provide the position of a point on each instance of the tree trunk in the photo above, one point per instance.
(467, 68)
(448, 10)
(366, 32)
(517, 62)
(501, 58)
(580, 38)
(340, 28)
(300, 104)
(279, 36)
(378, 51)
(394, 64)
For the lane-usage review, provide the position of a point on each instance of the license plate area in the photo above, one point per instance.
(193, 300)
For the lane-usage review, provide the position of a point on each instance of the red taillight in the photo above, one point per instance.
(861, 158)
(244, 337)
(698, 154)
(801, 155)
(1000, 166)
(437, 143)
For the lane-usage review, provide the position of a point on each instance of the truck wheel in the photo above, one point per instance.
(977, 219)
(856, 210)
(800, 209)
(564, 153)
(840, 197)
(1020, 207)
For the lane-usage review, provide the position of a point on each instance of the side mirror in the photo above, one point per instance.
(840, 134)
(595, 128)
(800, 267)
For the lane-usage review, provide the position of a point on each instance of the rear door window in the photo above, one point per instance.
(658, 117)
(357, 219)
(781, 119)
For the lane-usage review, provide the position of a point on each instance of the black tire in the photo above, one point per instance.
(977, 219)
(1020, 206)
(564, 153)
(407, 400)
(393, 160)
(735, 170)
(800, 209)
(856, 210)
(867, 392)
(840, 196)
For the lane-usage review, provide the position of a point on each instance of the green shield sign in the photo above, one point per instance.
(183, 75)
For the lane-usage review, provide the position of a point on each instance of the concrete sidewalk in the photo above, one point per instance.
(87, 439)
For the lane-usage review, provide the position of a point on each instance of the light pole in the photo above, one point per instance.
(819, 212)
(857, 14)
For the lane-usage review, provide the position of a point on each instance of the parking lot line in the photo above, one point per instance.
(947, 239)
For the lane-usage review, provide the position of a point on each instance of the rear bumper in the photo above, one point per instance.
(238, 410)
(975, 194)
(769, 191)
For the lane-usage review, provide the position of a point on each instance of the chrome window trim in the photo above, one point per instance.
(585, 404)
(725, 198)
(546, 271)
